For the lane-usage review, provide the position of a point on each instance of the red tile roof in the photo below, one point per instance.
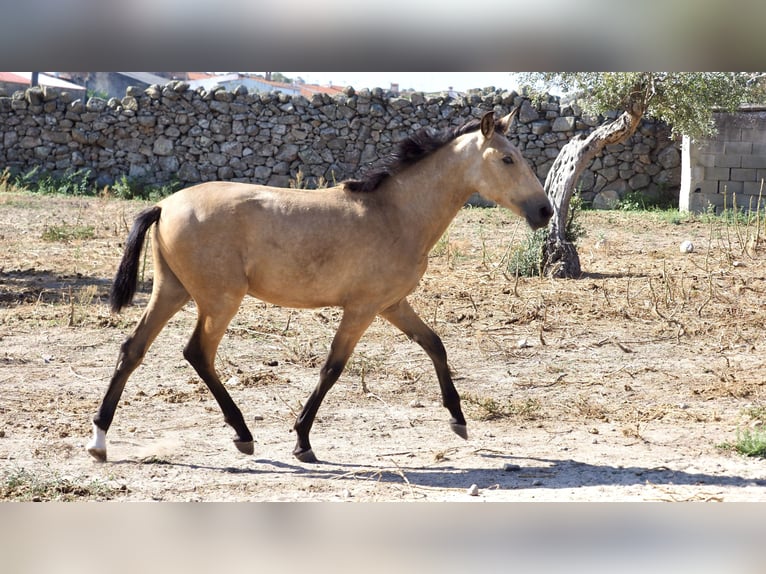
(198, 75)
(12, 78)
(309, 90)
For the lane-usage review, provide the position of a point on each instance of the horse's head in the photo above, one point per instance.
(505, 176)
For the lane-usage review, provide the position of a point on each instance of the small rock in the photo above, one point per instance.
(257, 417)
(508, 467)
(523, 344)
(233, 381)
(473, 490)
(2, 434)
(686, 247)
(416, 404)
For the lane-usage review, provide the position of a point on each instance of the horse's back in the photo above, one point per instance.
(295, 248)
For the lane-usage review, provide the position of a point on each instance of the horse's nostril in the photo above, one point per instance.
(546, 212)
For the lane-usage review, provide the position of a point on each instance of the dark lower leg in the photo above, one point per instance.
(127, 362)
(450, 397)
(231, 413)
(351, 328)
(327, 378)
(405, 319)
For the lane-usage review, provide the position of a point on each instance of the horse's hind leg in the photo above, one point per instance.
(200, 352)
(168, 296)
(406, 320)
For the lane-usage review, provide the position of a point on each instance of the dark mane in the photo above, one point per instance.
(409, 151)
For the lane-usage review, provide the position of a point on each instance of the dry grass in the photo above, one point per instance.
(648, 343)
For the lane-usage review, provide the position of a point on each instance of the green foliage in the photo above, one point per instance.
(72, 182)
(65, 233)
(641, 201)
(574, 229)
(96, 94)
(489, 408)
(683, 100)
(749, 443)
(136, 188)
(80, 183)
(280, 77)
(22, 485)
(527, 259)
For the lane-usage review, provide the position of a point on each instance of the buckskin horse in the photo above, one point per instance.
(362, 245)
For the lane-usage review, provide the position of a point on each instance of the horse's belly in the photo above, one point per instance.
(298, 292)
(337, 288)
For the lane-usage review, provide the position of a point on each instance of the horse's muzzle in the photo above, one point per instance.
(537, 218)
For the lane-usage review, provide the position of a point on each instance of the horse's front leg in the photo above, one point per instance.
(406, 320)
(352, 327)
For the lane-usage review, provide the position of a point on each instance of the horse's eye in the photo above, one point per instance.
(507, 159)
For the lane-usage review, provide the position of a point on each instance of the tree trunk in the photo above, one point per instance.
(560, 257)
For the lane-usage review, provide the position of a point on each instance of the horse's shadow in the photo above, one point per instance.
(512, 473)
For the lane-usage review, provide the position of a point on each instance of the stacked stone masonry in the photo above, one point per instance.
(172, 132)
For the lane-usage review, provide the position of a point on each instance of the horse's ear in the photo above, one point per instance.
(507, 121)
(488, 125)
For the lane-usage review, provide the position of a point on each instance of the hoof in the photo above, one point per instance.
(245, 446)
(98, 453)
(459, 430)
(305, 456)
(97, 446)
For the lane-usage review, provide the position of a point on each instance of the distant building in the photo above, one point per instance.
(231, 81)
(258, 84)
(115, 84)
(11, 82)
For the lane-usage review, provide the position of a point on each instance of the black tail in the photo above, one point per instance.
(126, 280)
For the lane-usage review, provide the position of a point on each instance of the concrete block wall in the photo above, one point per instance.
(729, 168)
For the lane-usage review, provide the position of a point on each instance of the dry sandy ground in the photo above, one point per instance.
(618, 386)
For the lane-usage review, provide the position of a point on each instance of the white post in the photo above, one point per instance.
(684, 197)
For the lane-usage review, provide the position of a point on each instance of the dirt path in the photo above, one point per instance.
(622, 385)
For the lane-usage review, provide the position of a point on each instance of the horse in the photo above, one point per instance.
(362, 245)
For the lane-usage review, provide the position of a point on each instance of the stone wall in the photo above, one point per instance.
(172, 132)
(728, 167)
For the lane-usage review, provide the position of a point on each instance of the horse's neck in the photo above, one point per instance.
(429, 194)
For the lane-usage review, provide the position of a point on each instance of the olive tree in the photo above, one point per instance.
(683, 100)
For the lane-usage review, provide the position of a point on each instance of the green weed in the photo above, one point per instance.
(22, 485)
(136, 188)
(72, 182)
(527, 259)
(489, 408)
(749, 443)
(67, 232)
